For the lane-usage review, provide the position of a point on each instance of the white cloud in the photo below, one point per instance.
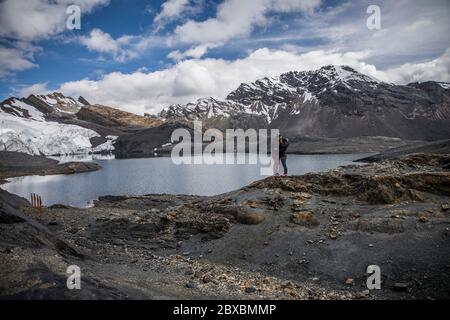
(236, 18)
(39, 19)
(16, 58)
(437, 70)
(121, 49)
(171, 9)
(412, 30)
(100, 41)
(25, 22)
(194, 52)
(37, 88)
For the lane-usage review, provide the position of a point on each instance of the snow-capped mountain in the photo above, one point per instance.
(62, 103)
(24, 127)
(268, 96)
(334, 101)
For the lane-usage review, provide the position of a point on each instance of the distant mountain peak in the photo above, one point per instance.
(61, 102)
(83, 101)
(345, 73)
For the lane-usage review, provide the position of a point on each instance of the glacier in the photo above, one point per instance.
(24, 129)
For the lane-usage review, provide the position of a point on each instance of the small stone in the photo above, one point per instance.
(315, 279)
(305, 218)
(206, 269)
(423, 218)
(350, 282)
(250, 290)
(333, 236)
(364, 294)
(399, 286)
(288, 284)
(445, 207)
(198, 274)
(370, 245)
(207, 279)
(191, 285)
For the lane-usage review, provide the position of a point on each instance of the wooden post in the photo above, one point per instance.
(36, 203)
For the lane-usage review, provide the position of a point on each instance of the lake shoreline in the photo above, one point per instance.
(16, 164)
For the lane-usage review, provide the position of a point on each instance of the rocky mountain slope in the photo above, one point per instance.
(333, 102)
(112, 117)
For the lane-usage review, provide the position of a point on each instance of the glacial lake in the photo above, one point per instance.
(158, 176)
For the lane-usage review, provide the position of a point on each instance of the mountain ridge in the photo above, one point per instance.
(332, 102)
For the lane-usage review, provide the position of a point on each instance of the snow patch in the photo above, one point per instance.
(444, 85)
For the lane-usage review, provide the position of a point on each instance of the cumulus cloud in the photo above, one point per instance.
(411, 30)
(194, 52)
(436, 69)
(172, 10)
(121, 49)
(236, 18)
(100, 41)
(16, 58)
(37, 88)
(25, 22)
(38, 19)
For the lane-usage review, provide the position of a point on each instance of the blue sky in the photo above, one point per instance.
(143, 55)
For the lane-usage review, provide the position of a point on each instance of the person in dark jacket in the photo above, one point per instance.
(283, 145)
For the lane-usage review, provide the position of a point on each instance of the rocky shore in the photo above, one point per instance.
(16, 164)
(301, 237)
